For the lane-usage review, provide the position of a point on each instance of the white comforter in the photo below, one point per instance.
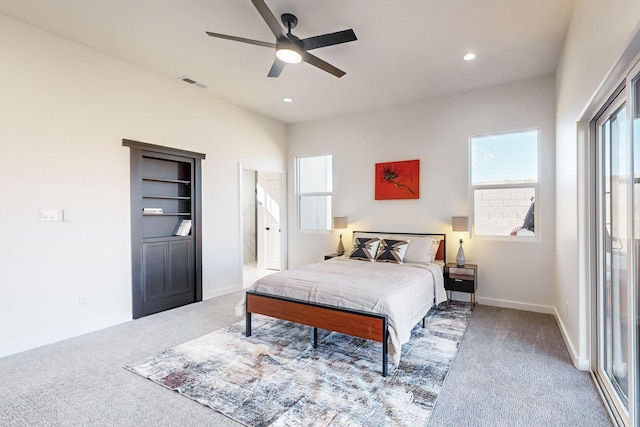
(405, 292)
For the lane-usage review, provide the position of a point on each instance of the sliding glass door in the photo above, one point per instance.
(617, 136)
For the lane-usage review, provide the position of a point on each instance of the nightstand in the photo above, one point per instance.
(461, 279)
(329, 256)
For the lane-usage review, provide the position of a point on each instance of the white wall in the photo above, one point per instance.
(436, 131)
(64, 110)
(598, 34)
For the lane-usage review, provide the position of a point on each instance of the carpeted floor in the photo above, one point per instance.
(512, 368)
(276, 377)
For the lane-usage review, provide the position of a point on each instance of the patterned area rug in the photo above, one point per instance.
(276, 377)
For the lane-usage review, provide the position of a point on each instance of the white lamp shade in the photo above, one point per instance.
(460, 223)
(340, 222)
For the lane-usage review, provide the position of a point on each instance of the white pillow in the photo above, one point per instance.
(420, 250)
(435, 245)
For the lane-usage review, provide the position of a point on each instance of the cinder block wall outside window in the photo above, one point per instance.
(499, 211)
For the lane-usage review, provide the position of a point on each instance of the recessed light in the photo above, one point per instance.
(287, 99)
(469, 57)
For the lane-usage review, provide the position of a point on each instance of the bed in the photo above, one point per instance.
(380, 301)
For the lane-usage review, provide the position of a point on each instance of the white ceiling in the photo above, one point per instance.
(406, 50)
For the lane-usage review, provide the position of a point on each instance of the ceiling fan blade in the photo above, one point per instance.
(276, 68)
(241, 39)
(270, 19)
(323, 65)
(329, 39)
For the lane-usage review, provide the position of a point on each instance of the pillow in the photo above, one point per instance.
(364, 248)
(435, 245)
(419, 250)
(360, 235)
(392, 251)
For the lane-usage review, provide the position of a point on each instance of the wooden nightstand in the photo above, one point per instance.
(461, 279)
(329, 256)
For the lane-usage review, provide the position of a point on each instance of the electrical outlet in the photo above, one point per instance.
(566, 308)
(83, 302)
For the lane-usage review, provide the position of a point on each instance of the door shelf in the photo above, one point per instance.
(167, 197)
(168, 214)
(166, 238)
(173, 181)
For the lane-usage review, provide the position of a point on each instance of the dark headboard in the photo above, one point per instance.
(441, 255)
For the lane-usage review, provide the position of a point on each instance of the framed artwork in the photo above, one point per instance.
(398, 180)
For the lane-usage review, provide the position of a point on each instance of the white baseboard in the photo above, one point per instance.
(546, 309)
(579, 362)
(63, 334)
(222, 291)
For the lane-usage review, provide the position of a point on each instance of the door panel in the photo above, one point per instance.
(155, 258)
(181, 262)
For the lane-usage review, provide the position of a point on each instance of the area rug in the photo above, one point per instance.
(276, 377)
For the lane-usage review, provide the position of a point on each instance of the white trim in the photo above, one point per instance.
(224, 291)
(516, 305)
(284, 221)
(580, 363)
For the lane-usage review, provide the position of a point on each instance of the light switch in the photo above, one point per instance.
(48, 214)
(66, 215)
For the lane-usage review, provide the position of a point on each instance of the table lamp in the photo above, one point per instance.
(340, 223)
(461, 224)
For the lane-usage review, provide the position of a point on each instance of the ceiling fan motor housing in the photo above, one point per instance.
(289, 20)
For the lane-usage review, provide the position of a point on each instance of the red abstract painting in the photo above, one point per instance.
(398, 180)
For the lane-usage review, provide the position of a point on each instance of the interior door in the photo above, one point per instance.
(165, 228)
(269, 220)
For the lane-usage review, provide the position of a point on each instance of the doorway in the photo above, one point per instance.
(616, 135)
(262, 224)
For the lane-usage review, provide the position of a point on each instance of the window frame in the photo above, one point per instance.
(300, 195)
(535, 185)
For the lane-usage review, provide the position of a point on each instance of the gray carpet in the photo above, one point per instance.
(512, 369)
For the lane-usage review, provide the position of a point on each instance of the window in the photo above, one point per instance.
(504, 183)
(314, 184)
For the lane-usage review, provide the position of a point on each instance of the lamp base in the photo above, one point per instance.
(460, 259)
(340, 249)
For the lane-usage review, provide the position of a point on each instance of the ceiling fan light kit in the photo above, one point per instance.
(288, 53)
(289, 48)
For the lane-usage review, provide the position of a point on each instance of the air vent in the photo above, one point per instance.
(192, 82)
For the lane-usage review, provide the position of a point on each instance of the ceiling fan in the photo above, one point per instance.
(289, 48)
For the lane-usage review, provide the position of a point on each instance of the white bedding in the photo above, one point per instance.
(404, 292)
